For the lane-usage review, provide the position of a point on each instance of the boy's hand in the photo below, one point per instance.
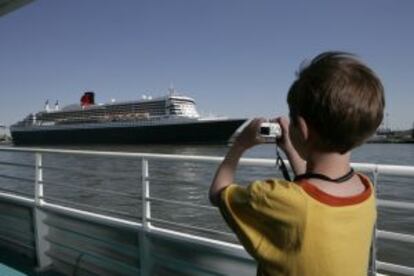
(249, 136)
(284, 141)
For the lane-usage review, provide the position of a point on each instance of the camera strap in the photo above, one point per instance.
(281, 165)
(340, 179)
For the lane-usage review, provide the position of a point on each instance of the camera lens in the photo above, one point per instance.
(265, 130)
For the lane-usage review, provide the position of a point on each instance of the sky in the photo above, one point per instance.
(236, 58)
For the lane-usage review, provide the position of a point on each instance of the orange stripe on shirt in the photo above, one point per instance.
(332, 200)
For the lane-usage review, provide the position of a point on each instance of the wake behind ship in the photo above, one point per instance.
(171, 119)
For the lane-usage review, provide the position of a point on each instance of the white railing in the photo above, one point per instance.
(38, 199)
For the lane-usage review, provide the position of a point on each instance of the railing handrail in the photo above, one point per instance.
(384, 169)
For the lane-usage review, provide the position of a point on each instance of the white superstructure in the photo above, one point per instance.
(161, 108)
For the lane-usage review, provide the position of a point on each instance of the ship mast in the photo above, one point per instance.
(47, 107)
(171, 90)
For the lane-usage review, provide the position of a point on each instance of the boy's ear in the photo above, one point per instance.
(303, 128)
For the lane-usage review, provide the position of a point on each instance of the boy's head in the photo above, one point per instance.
(340, 99)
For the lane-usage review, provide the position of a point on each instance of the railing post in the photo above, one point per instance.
(373, 261)
(38, 180)
(146, 225)
(41, 230)
(146, 208)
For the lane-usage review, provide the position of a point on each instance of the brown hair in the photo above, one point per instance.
(340, 98)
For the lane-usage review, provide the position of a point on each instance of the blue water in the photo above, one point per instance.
(78, 181)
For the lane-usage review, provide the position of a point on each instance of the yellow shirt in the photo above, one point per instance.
(297, 229)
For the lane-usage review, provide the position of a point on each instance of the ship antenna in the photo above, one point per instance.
(47, 107)
(171, 90)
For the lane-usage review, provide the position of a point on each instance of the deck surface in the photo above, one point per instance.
(15, 264)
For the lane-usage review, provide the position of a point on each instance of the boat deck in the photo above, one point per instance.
(42, 235)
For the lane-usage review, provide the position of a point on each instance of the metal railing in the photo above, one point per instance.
(147, 220)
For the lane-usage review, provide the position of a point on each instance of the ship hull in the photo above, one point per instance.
(199, 132)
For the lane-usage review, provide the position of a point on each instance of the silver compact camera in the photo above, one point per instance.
(270, 132)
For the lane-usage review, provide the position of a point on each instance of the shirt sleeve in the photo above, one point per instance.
(265, 216)
(236, 211)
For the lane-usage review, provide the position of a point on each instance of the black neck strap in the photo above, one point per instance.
(281, 165)
(340, 179)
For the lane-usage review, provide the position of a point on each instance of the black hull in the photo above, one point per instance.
(203, 132)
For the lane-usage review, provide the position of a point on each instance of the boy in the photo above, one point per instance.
(322, 223)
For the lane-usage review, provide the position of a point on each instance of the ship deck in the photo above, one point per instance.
(41, 236)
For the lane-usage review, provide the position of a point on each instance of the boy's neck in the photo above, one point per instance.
(330, 164)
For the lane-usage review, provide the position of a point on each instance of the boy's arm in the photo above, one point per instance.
(296, 162)
(225, 172)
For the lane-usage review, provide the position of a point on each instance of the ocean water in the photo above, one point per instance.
(112, 185)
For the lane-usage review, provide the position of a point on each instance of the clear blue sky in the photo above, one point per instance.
(236, 58)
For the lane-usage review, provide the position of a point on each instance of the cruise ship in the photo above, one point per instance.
(170, 119)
